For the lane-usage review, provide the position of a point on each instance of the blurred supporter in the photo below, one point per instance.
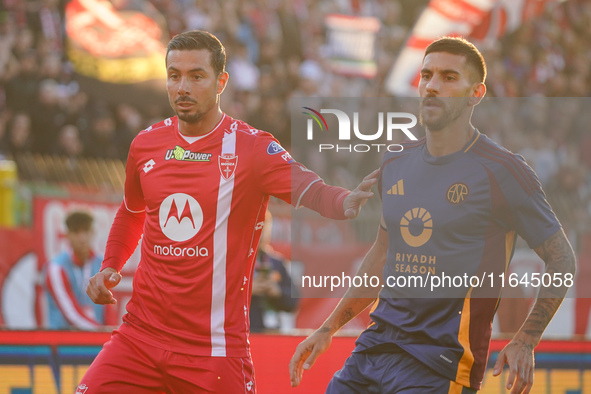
(22, 88)
(129, 122)
(272, 298)
(4, 148)
(48, 116)
(540, 155)
(20, 139)
(67, 275)
(245, 74)
(568, 195)
(101, 140)
(69, 143)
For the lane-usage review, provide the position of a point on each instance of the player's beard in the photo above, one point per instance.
(186, 116)
(190, 117)
(198, 111)
(451, 109)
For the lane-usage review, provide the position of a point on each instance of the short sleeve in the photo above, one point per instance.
(529, 213)
(534, 219)
(272, 167)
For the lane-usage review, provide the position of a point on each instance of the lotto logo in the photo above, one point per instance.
(149, 165)
(81, 389)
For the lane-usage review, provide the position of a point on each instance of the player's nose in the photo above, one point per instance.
(183, 89)
(432, 86)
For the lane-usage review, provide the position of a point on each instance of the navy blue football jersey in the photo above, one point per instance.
(457, 216)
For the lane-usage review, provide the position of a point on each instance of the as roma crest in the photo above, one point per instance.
(457, 193)
(227, 163)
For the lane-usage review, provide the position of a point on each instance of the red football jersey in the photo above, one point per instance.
(204, 205)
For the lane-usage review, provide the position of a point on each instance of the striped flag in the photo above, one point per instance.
(351, 45)
(481, 21)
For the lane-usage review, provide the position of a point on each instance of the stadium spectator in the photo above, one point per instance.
(67, 275)
(48, 116)
(4, 148)
(20, 139)
(69, 143)
(102, 137)
(272, 296)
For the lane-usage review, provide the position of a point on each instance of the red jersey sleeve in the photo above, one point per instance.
(127, 227)
(281, 176)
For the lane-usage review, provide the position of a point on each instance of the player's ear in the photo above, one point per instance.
(477, 92)
(222, 81)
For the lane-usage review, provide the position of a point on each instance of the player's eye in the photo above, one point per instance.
(425, 76)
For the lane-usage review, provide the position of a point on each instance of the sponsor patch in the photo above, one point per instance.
(181, 154)
(274, 148)
(287, 157)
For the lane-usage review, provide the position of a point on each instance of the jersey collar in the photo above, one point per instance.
(452, 156)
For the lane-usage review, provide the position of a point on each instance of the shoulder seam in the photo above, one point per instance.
(515, 167)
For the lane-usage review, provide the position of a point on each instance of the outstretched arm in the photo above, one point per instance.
(559, 257)
(355, 300)
(333, 202)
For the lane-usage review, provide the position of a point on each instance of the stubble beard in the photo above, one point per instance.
(436, 123)
(190, 118)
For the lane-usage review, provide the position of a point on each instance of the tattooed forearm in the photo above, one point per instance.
(356, 299)
(559, 257)
(347, 315)
(345, 311)
(541, 314)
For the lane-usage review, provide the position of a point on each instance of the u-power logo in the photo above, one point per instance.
(395, 121)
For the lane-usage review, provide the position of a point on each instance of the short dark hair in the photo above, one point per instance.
(460, 46)
(199, 39)
(79, 221)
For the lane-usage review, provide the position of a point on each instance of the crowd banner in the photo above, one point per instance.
(351, 44)
(481, 21)
(112, 46)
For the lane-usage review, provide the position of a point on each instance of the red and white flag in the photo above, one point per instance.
(481, 21)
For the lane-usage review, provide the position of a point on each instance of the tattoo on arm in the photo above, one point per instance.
(347, 315)
(559, 257)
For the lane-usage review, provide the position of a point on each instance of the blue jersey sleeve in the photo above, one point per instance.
(530, 215)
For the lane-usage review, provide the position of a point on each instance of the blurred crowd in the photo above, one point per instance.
(276, 51)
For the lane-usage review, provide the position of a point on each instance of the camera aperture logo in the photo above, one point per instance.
(395, 121)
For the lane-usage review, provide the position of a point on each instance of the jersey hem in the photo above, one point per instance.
(129, 330)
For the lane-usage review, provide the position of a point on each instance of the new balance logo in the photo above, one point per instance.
(397, 189)
(149, 165)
